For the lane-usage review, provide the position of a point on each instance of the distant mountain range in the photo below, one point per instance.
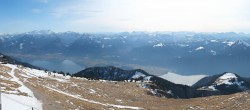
(182, 52)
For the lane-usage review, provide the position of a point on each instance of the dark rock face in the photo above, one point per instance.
(171, 89)
(111, 73)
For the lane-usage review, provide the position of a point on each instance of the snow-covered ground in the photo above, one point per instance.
(19, 102)
(180, 79)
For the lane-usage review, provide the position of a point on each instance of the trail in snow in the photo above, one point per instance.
(18, 102)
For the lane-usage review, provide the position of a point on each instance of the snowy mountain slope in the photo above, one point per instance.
(180, 79)
(225, 83)
(15, 95)
(240, 43)
(158, 86)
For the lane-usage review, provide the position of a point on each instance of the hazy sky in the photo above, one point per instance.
(125, 15)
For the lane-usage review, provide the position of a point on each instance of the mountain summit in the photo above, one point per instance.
(226, 83)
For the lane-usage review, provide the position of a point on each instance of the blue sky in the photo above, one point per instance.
(125, 15)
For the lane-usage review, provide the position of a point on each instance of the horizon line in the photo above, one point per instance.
(82, 32)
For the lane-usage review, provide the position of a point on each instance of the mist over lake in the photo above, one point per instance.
(65, 65)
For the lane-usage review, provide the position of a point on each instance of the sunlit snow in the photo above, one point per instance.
(159, 45)
(226, 79)
(199, 48)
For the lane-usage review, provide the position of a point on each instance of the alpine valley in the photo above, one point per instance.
(185, 53)
(129, 70)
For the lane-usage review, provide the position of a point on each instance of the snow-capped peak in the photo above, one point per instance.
(240, 42)
(159, 45)
(199, 48)
(213, 52)
(213, 41)
(229, 79)
(228, 76)
(229, 43)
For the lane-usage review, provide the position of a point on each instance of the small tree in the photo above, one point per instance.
(68, 74)
(61, 73)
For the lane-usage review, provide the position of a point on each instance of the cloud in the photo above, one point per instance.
(73, 11)
(155, 15)
(77, 8)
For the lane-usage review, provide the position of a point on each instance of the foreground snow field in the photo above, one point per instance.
(12, 100)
